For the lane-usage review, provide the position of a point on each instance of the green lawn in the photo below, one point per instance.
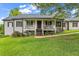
(68, 31)
(24, 46)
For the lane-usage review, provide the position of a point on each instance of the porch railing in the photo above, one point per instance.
(30, 27)
(48, 27)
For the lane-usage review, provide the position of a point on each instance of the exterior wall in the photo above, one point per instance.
(10, 30)
(73, 28)
(7, 30)
(65, 28)
(70, 26)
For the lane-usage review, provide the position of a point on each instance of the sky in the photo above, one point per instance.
(23, 7)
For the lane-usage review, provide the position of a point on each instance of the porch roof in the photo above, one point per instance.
(25, 16)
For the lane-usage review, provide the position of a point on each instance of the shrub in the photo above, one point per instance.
(48, 32)
(17, 34)
(3, 36)
(28, 33)
(1, 32)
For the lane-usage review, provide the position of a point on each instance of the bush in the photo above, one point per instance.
(17, 34)
(1, 32)
(3, 36)
(48, 32)
(28, 33)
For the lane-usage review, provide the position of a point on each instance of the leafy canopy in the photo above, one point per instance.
(14, 12)
(64, 9)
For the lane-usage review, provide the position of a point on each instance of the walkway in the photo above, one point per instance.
(56, 35)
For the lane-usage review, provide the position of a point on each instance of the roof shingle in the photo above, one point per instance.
(25, 16)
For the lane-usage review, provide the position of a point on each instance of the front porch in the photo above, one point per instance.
(43, 27)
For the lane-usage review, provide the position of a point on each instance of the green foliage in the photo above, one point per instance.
(1, 29)
(3, 36)
(29, 33)
(14, 12)
(49, 33)
(17, 34)
(43, 5)
(60, 7)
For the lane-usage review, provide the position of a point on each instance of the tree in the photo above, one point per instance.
(1, 28)
(42, 5)
(14, 12)
(60, 7)
(46, 8)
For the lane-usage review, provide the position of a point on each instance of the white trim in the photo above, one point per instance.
(35, 26)
(42, 27)
(55, 27)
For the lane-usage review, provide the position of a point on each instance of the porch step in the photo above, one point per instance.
(38, 32)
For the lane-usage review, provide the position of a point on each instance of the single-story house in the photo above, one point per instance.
(38, 24)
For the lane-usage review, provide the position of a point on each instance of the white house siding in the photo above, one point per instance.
(8, 30)
(73, 28)
(65, 28)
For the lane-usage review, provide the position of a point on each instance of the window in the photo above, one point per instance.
(48, 22)
(58, 24)
(10, 24)
(29, 22)
(75, 24)
(19, 23)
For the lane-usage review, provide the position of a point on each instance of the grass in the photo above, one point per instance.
(68, 31)
(30, 46)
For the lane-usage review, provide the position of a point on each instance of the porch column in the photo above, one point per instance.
(22, 26)
(13, 25)
(42, 28)
(55, 26)
(35, 26)
(67, 24)
(62, 25)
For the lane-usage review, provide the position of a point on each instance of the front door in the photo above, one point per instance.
(9, 29)
(38, 24)
(39, 30)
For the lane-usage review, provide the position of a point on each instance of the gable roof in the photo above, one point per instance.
(25, 16)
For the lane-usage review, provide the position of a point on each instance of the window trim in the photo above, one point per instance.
(58, 24)
(9, 23)
(74, 24)
(21, 24)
